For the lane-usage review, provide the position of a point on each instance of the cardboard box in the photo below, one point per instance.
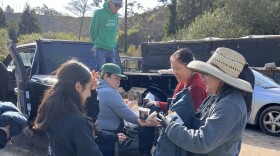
(135, 93)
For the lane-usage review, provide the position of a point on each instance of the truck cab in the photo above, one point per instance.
(31, 68)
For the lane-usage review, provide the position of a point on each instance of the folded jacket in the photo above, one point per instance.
(11, 115)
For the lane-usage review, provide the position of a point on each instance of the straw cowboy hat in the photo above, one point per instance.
(225, 64)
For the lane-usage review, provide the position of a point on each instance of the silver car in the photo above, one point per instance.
(266, 105)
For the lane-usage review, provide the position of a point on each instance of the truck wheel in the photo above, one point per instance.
(269, 121)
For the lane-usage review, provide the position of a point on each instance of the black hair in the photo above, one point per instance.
(247, 75)
(103, 74)
(63, 96)
(183, 55)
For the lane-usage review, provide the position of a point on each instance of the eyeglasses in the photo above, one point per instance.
(118, 5)
(204, 75)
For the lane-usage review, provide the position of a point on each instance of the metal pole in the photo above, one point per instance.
(125, 28)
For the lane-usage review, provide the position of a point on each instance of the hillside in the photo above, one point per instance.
(55, 23)
(150, 24)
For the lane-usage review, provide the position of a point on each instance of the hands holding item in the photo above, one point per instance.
(165, 120)
(157, 119)
(152, 103)
(121, 137)
(151, 121)
(94, 76)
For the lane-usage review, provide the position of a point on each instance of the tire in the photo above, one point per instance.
(269, 121)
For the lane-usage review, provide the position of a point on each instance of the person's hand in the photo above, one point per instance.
(149, 123)
(94, 76)
(165, 120)
(152, 103)
(7, 130)
(121, 136)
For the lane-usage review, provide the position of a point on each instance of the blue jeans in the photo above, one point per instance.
(104, 56)
(118, 59)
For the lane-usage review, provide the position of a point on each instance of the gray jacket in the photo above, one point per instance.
(113, 110)
(221, 127)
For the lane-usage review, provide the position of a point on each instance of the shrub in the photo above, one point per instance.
(3, 43)
(23, 39)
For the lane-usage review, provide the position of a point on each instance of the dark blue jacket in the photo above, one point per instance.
(72, 135)
(10, 114)
(183, 106)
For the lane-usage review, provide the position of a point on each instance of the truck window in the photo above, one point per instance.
(26, 56)
(56, 54)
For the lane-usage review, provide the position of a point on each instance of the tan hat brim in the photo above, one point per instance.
(203, 67)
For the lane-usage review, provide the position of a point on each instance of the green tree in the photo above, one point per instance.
(214, 24)
(3, 22)
(171, 26)
(261, 16)
(131, 6)
(13, 31)
(187, 10)
(29, 22)
(23, 39)
(3, 44)
(9, 9)
(46, 11)
(133, 38)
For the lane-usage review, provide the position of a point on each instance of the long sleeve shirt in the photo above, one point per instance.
(113, 110)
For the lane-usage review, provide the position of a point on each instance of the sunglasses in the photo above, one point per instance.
(118, 5)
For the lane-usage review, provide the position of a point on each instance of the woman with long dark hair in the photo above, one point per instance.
(61, 113)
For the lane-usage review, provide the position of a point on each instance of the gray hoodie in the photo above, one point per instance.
(113, 110)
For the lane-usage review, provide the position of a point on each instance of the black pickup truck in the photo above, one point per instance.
(32, 64)
(30, 68)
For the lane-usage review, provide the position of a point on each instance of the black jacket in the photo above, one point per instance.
(92, 110)
(72, 135)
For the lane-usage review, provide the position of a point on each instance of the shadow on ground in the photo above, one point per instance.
(27, 144)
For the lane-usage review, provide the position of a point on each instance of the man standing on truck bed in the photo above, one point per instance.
(103, 31)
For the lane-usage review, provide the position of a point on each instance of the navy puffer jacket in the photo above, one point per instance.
(11, 115)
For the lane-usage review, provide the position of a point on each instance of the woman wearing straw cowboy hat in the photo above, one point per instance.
(219, 124)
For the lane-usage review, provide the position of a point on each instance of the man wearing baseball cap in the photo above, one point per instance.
(113, 110)
(103, 31)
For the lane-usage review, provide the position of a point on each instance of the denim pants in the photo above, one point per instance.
(104, 56)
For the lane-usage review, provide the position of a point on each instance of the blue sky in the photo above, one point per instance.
(18, 5)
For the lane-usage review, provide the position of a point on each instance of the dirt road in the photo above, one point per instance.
(255, 143)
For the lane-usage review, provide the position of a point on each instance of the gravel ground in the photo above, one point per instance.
(256, 143)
